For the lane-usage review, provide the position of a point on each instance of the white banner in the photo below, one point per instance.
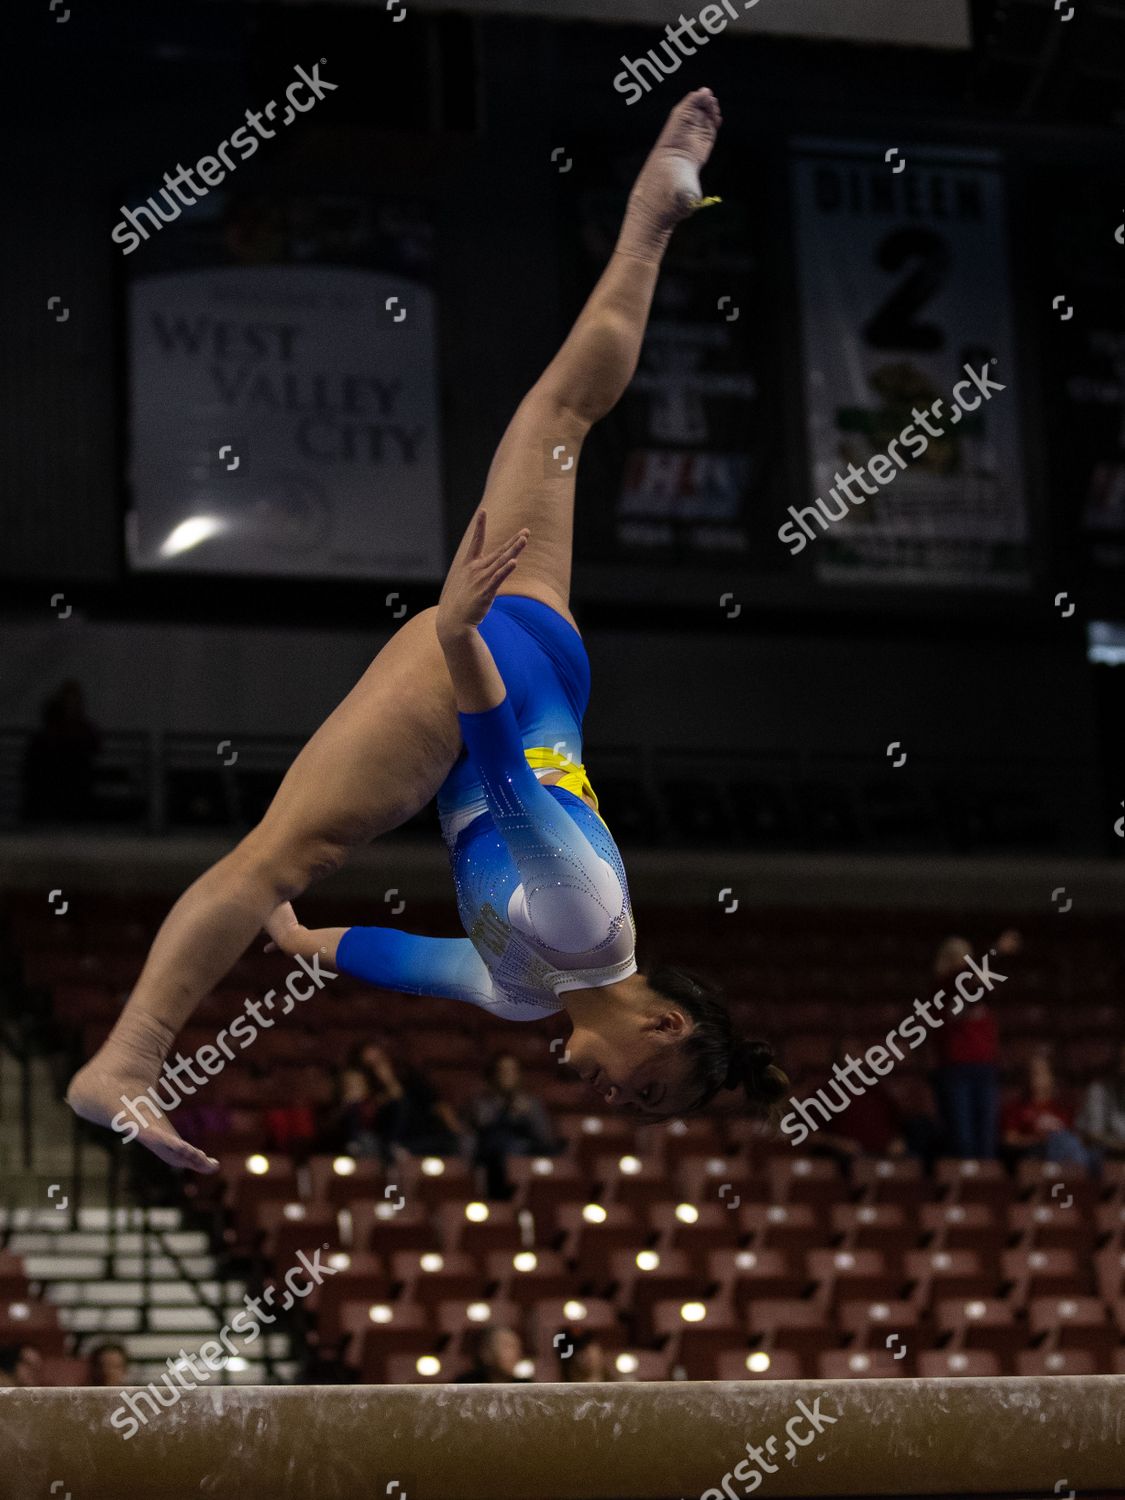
(284, 420)
(904, 289)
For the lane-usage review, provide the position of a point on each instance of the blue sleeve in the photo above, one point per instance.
(574, 900)
(414, 965)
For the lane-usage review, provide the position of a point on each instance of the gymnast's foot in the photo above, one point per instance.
(668, 188)
(125, 1068)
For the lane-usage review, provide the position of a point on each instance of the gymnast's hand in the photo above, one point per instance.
(474, 577)
(288, 936)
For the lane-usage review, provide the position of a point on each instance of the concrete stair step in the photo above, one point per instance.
(178, 1294)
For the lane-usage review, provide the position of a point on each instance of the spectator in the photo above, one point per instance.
(352, 1121)
(499, 1354)
(109, 1365)
(588, 1362)
(1102, 1116)
(410, 1114)
(887, 1120)
(20, 1365)
(1040, 1122)
(967, 1082)
(58, 763)
(507, 1121)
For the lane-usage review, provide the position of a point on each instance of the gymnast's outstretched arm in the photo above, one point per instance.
(388, 958)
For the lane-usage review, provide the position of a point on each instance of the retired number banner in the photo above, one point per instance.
(903, 272)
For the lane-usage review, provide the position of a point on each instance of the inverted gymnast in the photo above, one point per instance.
(463, 703)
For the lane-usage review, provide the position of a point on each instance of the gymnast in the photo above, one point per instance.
(474, 701)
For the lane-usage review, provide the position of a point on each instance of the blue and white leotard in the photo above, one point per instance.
(541, 890)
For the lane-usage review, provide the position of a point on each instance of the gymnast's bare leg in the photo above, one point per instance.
(382, 755)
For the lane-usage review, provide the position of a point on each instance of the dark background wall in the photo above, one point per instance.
(108, 102)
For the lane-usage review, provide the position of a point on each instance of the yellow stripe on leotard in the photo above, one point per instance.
(575, 780)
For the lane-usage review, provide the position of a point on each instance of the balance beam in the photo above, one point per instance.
(650, 1441)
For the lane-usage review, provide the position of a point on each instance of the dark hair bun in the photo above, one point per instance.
(752, 1068)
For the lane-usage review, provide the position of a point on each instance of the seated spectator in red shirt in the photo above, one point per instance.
(1040, 1121)
(886, 1120)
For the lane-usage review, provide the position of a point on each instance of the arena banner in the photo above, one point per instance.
(674, 475)
(909, 368)
(283, 418)
(1081, 302)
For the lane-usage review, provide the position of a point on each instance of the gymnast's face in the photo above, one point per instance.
(631, 1055)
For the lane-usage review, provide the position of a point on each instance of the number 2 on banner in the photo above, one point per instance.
(892, 326)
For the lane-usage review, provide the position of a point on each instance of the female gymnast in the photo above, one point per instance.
(463, 703)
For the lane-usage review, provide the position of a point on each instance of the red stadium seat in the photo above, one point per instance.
(966, 1180)
(541, 1183)
(432, 1276)
(459, 1315)
(863, 1364)
(796, 1227)
(1073, 1323)
(525, 1276)
(895, 1180)
(948, 1273)
(725, 1179)
(13, 1279)
(633, 1180)
(384, 1226)
(1044, 1273)
(573, 1316)
(747, 1275)
(852, 1274)
(699, 1136)
(942, 1363)
(591, 1135)
(646, 1277)
(695, 1227)
(365, 1279)
(758, 1364)
(1051, 1182)
(402, 1328)
(591, 1231)
(403, 1369)
(882, 1322)
(478, 1227)
(980, 1323)
(1048, 1226)
(1059, 1362)
(796, 1322)
(886, 1227)
(963, 1226)
(1109, 1272)
(806, 1179)
(32, 1322)
(696, 1342)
